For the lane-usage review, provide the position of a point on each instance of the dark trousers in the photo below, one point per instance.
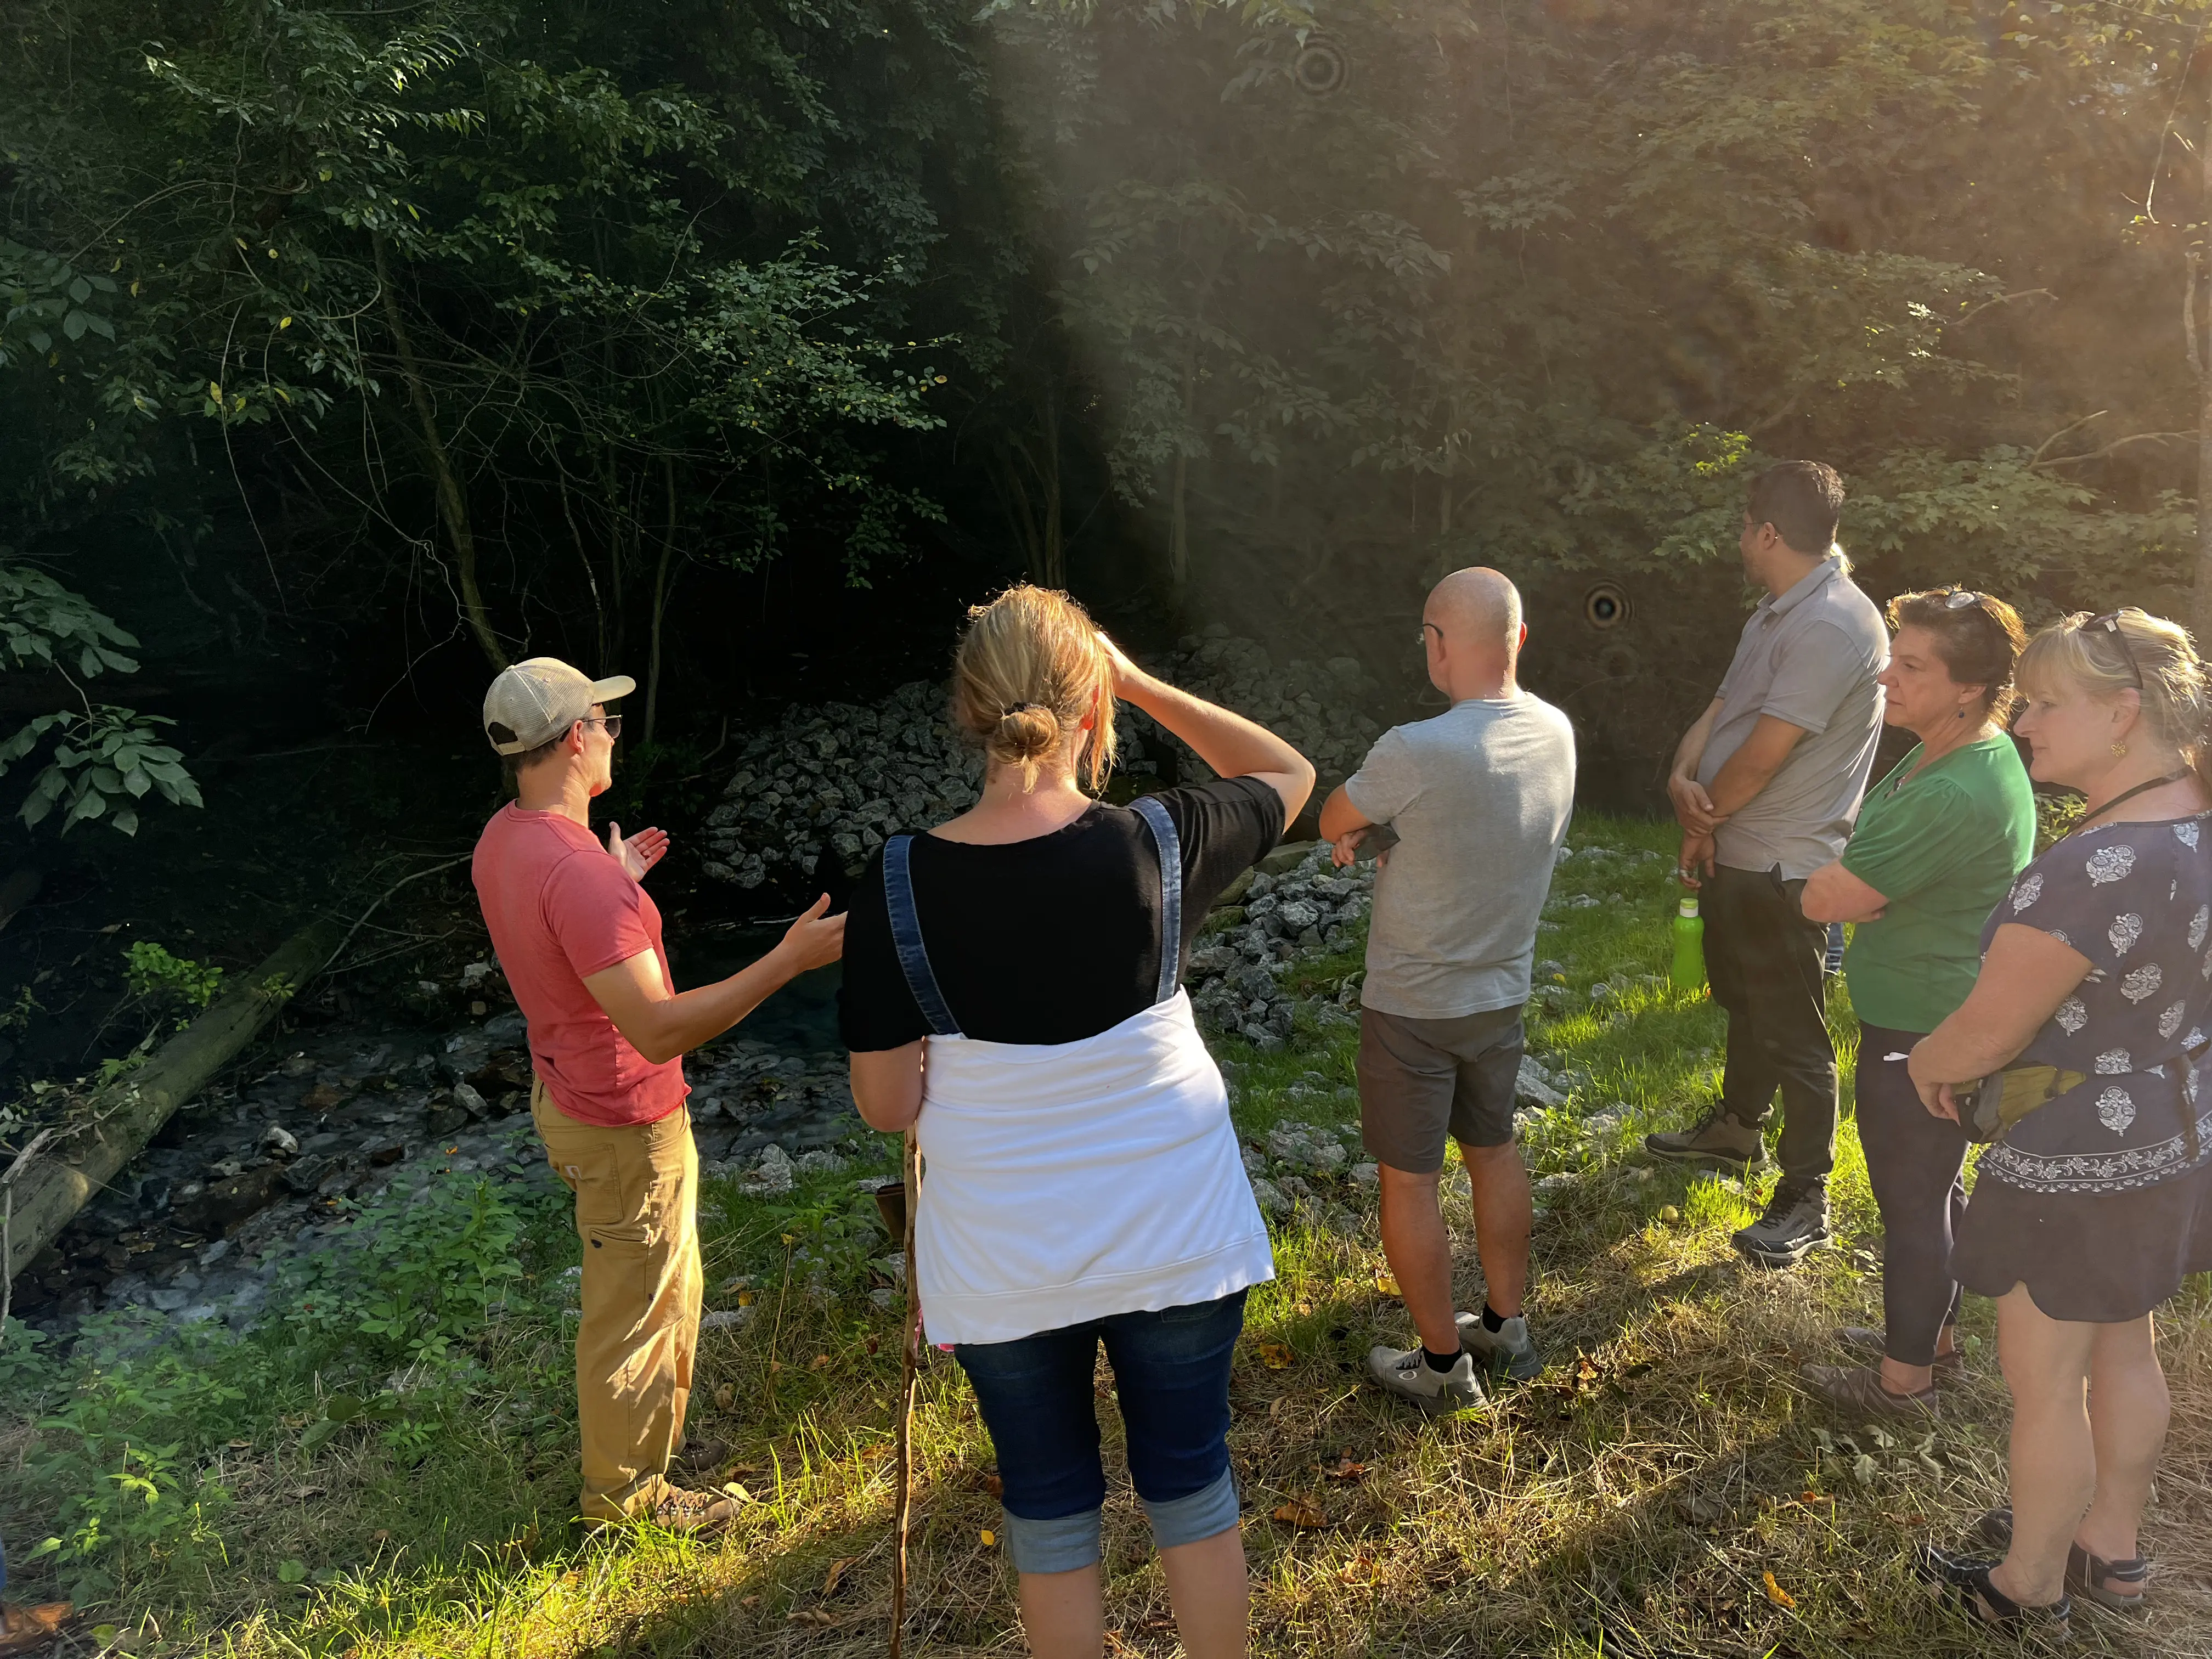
(1765, 959)
(1913, 1163)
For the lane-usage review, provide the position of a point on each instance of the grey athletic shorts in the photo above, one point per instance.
(1423, 1079)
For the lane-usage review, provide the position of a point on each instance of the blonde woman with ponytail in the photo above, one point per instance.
(1012, 994)
(2081, 1055)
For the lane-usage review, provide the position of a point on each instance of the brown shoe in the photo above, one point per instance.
(681, 1510)
(1858, 1390)
(1865, 1338)
(24, 1629)
(676, 1510)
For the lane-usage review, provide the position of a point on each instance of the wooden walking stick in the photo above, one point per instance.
(911, 1346)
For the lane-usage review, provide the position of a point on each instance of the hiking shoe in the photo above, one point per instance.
(1720, 1142)
(1865, 1338)
(677, 1510)
(1795, 1224)
(1406, 1373)
(23, 1629)
(1858, 1392)
(1506, 1351)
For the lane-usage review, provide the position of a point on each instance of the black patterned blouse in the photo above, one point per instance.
(2137, 900)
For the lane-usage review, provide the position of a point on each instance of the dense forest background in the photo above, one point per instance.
(351, 348)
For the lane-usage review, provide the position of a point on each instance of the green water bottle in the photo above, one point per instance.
(1689, 972)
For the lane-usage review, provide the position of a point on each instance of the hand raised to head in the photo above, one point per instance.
(640, 853)
(1126, 672)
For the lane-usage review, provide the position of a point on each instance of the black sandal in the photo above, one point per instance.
(2086, 1574)
(1969, 1581)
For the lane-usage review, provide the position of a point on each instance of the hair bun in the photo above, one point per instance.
(1026, 731)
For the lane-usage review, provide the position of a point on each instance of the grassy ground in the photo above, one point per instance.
(1664, 1488)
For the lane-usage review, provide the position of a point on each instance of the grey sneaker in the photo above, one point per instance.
(1719, 1142)
(1406, 1373)
(1506, 1351)
(1795, 1224)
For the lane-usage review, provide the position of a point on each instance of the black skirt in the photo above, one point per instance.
(2091, 1258)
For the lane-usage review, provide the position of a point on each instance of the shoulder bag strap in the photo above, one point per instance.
(1171, 848)
(906, 938)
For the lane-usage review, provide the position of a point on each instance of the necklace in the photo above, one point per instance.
(2126, 794)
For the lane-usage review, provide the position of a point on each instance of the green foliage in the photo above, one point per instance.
(104, 763)
(152, 972)
(417, 1275)
(124, 1465)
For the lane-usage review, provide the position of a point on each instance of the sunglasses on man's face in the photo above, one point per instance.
(612, 722)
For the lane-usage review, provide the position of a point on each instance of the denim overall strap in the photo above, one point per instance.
(1163, 837)
(906, 938)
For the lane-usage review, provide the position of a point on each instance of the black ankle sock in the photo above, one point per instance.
(1440, 1362)
(1492, 1321)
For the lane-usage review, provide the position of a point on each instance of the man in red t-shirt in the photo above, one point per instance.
(579, 943)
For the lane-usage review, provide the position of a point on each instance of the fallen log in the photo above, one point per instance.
(58, 1173)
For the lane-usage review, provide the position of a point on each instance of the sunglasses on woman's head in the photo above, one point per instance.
(2110, 623)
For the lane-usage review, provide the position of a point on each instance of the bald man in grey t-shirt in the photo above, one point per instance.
(1479, 799)
(1767, 785)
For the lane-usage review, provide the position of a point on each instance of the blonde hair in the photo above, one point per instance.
(1030, 668)
(2147, 653)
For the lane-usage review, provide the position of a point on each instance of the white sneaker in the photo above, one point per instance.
(1505, 1351)
(1406, 1373)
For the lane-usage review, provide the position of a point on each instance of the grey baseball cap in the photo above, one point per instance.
(534, 701)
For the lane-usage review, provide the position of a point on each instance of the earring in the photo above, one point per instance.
(2119, 749)
(1962, 714)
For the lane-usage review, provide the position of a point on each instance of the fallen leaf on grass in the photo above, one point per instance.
(309, 1491)
(836, 1573)
(726, 1395)
(814, 1616)
(1344, 1469)
(994, 1486)
(990, 1539)
(1776, 1594)
(735, 1489)
(1298, 1511)
(1274, 1356)
(821, 1360)
(1388, 1285)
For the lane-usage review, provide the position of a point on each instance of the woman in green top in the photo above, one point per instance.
(1937, 845)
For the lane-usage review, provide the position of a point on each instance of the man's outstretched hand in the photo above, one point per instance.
(814, 940)
(640, 853)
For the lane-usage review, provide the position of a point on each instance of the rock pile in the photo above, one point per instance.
(1294, 904)
(1301, 1169)
(1320, 708)
(831, 781)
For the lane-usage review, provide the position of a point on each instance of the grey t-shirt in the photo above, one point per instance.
(1808, 657)
(1480, 797)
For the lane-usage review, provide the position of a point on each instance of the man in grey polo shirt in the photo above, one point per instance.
(1766, 785)
(1478, 800)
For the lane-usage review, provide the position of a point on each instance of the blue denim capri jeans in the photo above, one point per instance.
(1171, 1376)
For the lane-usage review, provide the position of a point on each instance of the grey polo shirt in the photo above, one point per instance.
(1808, 657)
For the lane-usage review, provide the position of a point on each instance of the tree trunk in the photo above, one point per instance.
(453, 503)
(660, 601)
(43, 1195)
(2200, 359)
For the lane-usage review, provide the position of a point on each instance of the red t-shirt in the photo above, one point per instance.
(560, 910)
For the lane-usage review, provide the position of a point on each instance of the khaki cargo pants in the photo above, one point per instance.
(636, 1211)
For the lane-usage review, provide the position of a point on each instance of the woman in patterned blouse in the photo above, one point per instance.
(2087, 1213)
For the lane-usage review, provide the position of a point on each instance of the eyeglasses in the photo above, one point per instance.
(612, 722)
(2110, 622)
(1962, 598)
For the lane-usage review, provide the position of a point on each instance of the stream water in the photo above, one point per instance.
(800, 1018)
